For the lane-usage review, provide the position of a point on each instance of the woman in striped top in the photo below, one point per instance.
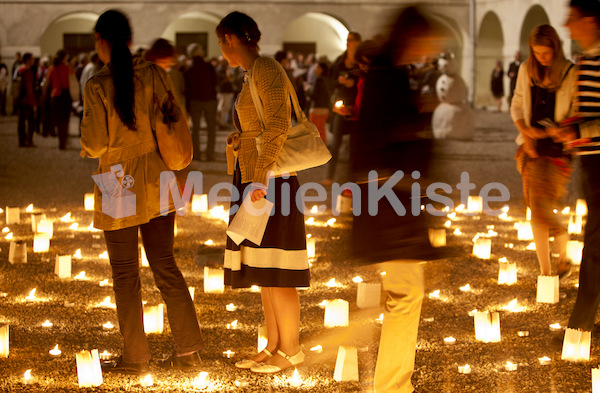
(543, 97)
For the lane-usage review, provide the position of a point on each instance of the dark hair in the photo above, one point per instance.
(324, 66)
(280, 55)
(366, 51)
(161, 49)
(242, 26)
(113, 26)
(356, 35)
(587, 8)
(61, 54)
(26, 57)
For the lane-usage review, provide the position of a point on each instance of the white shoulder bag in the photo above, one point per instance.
(303, 148)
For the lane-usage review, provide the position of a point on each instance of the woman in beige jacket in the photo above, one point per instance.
(545, 91)
(117, 128)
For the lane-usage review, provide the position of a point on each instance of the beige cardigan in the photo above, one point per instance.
(104, 136)
(271, 85)
(520, 107)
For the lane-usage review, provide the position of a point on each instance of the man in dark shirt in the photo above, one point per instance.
(26, 101)
(513, 70)
(201, 97)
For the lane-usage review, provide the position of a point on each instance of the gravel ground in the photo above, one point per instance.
(56, 181)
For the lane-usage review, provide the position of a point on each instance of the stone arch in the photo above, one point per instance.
(325, 33)
(535, 16)
(455, 40)
(490, 44)
(193, 27)
(75, 23)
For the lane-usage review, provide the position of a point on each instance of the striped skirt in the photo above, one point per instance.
(281, 259)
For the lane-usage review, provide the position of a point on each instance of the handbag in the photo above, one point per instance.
(170, 129)
(303, 148)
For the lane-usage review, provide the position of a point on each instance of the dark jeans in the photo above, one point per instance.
(210, 114)
(122, 245)
(588, 295)
(61, 112)
(26, 115)
(340, 127)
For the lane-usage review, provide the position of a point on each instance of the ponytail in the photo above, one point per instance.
(114, 27)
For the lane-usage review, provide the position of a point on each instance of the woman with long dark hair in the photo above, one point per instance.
(280, 263)
(117, 128)
(544, 91)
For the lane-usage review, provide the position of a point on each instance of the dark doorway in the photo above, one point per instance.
(75, 43)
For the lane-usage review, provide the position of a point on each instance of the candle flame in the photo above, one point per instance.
(255, 288)
(296, 380)
(544, 359)
(330, 222)
(66, 217)
(232, 325)
(74, 226)
(503, 259)
(332, 283)
(47, 324)
(219, 213)
(457, 232)
(505, 209)
(460, 208)
(513, 306)
(209, 242)
(531, 246)
(147, 381)
(465, 288)
(108, 325)
(314, 209)
(5, 230)
(317, 349)
(104, 255)
(31, 295)
(231, 307)
(9, 236)
(29, 209)
(435, 294)
(104, 283)
(448, 224)
(55, 351)
(555, 326)
(80, 276)
(77, 253)
(200, 381)
(27, 375)
(357, 279)
(339, 103)
(310, 221)
(452, 215)
(379, 318)
(323, 304)
(503, 216)
(449, 340)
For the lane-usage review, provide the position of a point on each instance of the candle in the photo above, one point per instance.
(47, 324)
(452, 216)
(231, 307)
(105, 355)
(482, 248)
(108, 326)
(213, 280)
(460, 208)
(233, 325)
(255, 288)
(80, 276)
(466, 369)
(55, 351)
(13, 215)
(89, 372)
(379, 319)
(4, 341)
(146, 381)
(31, 296)
(66, 217)
(509, 366)
(457, 232)
(311, 245)
(581, 207)
(27, 378)
(29, 208)
(523, 333)
(330, 222)
(296, 380)
(339, 103)
(448, 224)
(435, 294)
(465, 288)
(154, 319)
(77, 253)
(332, 283)
(530, 247)
(595, 380)
(209, 242)
(544, 361)
(555, 327)
(475, 204)
(41, 242)
(200, 203)
(200, 382)
(317, 349)
(524, 231)
(104, 255)
(357, 279)
(88, 202)
(106, 303)
(104, 283)
(449, 340)
(228, 354)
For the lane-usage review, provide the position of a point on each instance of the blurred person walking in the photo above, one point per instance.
(162, 53)
(320, 99)
(387, 140)
(117, 128)
(60, 97)
(225, 94)
(513, 70)
(201, 99)
(4, 78)
(280, 263)
(544, 91)
(497, 84)
(345, 73)
(26, 101)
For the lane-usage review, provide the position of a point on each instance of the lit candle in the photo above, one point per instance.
(339, 103)
(332, 283)
(330, 222)
(231, 307)
(105, 355)
(379, 319)
(200, 203)
(523, 333)
(106, 303)
(77, 253)
(233, 325)
(555, 327)
(314, 210)
(317, 349)
(228, 354)
(104, 255)
(449, 340)
(80, 276)
(5, 230)
(509, 366)
(10, 236)
(241, 383)
(29, 209)
(27, 378)
(200, 381)
(108, 326)
(104, 283)
(452, 216)
(296, 380)
(209, 242)
(544, 361)
(457, 232)
(146, 381)
(55, 351)
(466, 369)
(31, 296)
(254, 288)
(448, 224)
(435, 294)
(66, 217)
(357, 279)
(465, 288)
(47, 324)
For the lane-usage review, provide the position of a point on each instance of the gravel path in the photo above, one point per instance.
(55, 181)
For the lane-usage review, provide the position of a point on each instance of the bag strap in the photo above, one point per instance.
(300, 115)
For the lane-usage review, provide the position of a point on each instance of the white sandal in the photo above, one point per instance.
(271, 369)
(249, 363)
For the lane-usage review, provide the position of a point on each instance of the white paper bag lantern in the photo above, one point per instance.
(343, 204)
(311, 245)
(576, 345)
(13, 215)
(547, 289)
(437, 237)
(35, 219)
(337, 313)
(368, 295)
(524, 232)
(41, 242)
(62, 267)
(4, 341)
(507, 273)
(88, 202)
(144, 257)
(581, 208)
(346, 364)
(575, 224)
(528, 214)
(487, 326)
(45, 226)
(262, 337)
(575, 251)
(214, 280)
(89, 372)
(153, 319)
(475, 204)
(17, 252)
(596, 380)
(482, 248)
(199, 203)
